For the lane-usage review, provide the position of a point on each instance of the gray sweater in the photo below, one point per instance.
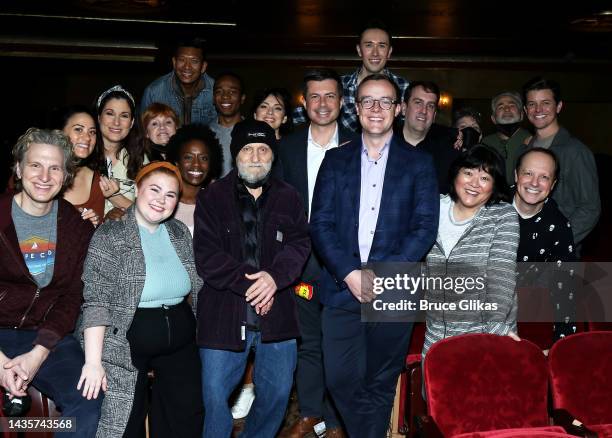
(485, 251)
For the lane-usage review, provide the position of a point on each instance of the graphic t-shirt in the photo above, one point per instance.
(37, 236)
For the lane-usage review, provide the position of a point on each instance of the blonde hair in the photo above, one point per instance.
(53, 137)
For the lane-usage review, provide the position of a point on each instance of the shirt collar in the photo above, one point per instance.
(333, 141)
(179, 90)
(383, 150)
(355, 75)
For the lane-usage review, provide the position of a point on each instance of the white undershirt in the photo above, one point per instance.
(523, 215)
(450, 230)
(315, 155)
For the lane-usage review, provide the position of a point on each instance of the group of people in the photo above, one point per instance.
(218, 236)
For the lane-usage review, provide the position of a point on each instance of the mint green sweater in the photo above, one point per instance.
(167, 281)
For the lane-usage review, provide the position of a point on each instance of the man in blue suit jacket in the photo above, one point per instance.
(375, 200)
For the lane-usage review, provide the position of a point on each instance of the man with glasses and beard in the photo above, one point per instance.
(251, 242)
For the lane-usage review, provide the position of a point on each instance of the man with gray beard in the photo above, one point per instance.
(250, 242)
(507, 115)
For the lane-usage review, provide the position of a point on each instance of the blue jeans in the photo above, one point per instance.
(57, 378)
(222, 371)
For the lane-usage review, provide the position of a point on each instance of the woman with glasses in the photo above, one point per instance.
(124, 154)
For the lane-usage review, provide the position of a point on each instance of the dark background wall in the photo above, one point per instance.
(33, 86)
(61, 52)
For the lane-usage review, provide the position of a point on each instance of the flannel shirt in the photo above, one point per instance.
(348, 113)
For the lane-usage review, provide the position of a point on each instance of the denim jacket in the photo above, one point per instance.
(165, 90)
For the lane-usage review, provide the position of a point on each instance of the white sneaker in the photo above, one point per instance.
(243, 403)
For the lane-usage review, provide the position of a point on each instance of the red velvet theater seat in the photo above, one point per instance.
(481, 383)
(534, 432)
(411, 397)
(41, 407)
(534, 308)
(581, 379)
(599, 326)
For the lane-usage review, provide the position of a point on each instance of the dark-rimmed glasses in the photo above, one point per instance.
(384, 103)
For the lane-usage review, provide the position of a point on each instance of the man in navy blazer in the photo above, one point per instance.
(301, 154)
(375, 200)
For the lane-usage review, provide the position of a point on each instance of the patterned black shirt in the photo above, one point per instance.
(547, 238)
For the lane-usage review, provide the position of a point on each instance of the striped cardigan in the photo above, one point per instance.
(485, 251)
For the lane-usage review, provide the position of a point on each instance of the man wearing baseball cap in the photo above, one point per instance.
(251, 242)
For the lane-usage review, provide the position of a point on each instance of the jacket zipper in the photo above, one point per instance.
(28, 274)
(467, 231)
(36, 295)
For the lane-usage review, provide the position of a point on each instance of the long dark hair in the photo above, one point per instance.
(136, 150)
(282, 95)
(59, 120)
(487, 159)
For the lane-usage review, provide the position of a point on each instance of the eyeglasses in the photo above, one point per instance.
(384, 103)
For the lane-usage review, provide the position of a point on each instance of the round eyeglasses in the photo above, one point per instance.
(384, 103)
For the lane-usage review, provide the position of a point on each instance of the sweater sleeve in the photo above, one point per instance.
(501, 274)
(583, 187)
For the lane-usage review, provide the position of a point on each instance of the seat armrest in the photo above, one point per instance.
(571, 424)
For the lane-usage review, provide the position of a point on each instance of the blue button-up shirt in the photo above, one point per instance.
(372, 179)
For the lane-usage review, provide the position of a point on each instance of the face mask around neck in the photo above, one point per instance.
(508, 129)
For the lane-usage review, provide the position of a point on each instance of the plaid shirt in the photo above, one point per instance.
(348, 113)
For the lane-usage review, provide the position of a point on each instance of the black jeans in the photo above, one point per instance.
(313, 397)
(162, 339)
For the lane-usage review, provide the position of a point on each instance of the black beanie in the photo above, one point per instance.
(251, 131)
